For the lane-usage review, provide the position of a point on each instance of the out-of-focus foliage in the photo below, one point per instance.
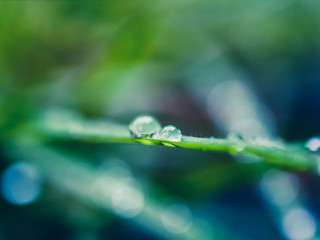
(86, 54)
(208, 67)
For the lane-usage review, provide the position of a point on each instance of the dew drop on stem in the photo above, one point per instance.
(144, 126)
(170, 133)
(238, 140)
(313, 144)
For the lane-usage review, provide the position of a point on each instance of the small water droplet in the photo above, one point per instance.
(234, 136)
(170, 133)
(313, 144)
(144, 126)
(238, 140)
(240, 146)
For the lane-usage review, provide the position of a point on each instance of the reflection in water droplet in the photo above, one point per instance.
(313, 144)
(299, 224)
(176, 218)
(170, 133)
(144, 126)
(21, 184)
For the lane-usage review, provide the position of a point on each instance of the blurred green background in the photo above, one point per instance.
(207, 67)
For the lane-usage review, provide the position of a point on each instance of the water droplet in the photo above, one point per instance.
(170, 133)
(238, 140)
(313, 144)
(234, 136)
(144, 126)
(240, 146)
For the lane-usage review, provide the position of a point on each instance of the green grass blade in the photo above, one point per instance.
(73, 127)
